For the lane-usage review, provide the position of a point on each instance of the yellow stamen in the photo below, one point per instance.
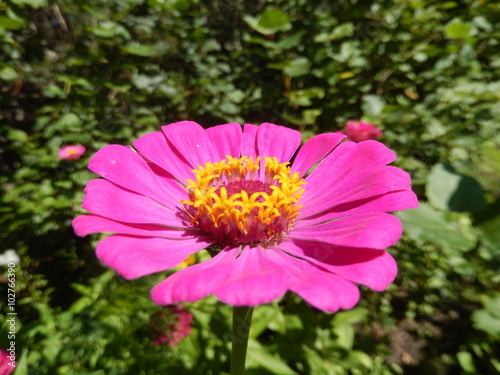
(235, 205)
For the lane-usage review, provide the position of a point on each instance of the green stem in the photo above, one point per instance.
(242, 318)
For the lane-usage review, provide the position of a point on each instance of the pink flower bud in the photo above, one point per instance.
(71, 152)
(358, 131)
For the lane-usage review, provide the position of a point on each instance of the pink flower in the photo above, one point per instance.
(176, 330)
(7, 363)
(358, 131)
(71, 152)
(270, 226)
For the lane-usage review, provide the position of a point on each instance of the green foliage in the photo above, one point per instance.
(94, 73)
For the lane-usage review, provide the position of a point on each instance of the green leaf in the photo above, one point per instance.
(269, 22)
(10, 23)
(345, 335)
(274, 19)
(448, 190)
(309, 116)
(293, 322)
(22, 364)
(262, 317)
(486, 322)
(8, 74)
(489, 222)
(496, 364)
(372, 105)
(144, 50)
(459, 30)
(291, 41)
(69, 121)
(342, 325)
(353, 316)
(425, 223)
(492, 304)
(109, 29)
(294, 68)
(304, 97)
(17, 135)
(342, 31)
(297, 67)
(260, 355)
(53, 91)
(466, 361)
(52, 346)
(32, 3)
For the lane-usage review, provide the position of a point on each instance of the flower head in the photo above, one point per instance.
(315, 226)
(358, 131)
(7, 365)
(71, 152)
(171, 327)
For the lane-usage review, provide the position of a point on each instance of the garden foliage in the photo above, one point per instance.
(93, 73)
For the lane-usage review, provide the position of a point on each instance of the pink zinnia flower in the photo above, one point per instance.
(270, 226)
(71, 152)
(358, 131)
(5, 367)
(178, 328)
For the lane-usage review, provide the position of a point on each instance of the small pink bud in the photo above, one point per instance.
(71, 152)
(358, 131)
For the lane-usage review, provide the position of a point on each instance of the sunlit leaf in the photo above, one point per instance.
(466, 362)
(449, 190)
(426, 223)
(260, 355)
(154, 50)
(372, 105)
(459, 30)
(10, 23)
(342, 31)
(269, 22)
(32, 3)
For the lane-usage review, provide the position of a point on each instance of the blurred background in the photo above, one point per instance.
(91, 73)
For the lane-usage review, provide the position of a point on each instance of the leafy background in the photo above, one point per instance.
(93, 72)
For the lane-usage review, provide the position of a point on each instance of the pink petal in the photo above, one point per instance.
(361, 186)
(192, 142)
(373, 268)
(277, 141)
(324, 290)
(124, 167)
(350, 158)
(227, 138)
(133, 257)
(106, 199)
(86, 224)
(257, 276)
(156, 148)
(372, 230)
(250, 279)
(249, 141)
(254, 279)
(314, 150)
(195, 282)
(390, 202)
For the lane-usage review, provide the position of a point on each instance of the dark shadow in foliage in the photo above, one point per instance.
(468, 197)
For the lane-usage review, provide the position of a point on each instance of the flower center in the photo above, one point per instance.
(238, 203)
